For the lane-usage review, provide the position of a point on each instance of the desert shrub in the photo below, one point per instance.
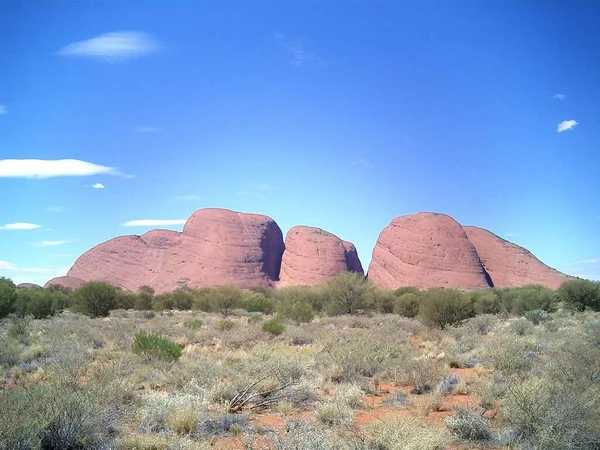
(224, 324)
(144, 298)
(226, 298)
(19, 328)
(351, 395)
(315, 296)
(415, 370)
(297, 310)
(273, 327)
(203, 299)
(510, 355)
(258, 302)
(57, 416)
(305, 436)
(334, 413)
(383, 301)
(194, 324)
(468, 425)
(39, 303)
(519, 300)
(406, 434)
(348, 293)
(219, 426)
(125, 300)
(521, 327)
(407, 305)
(536, 316)
(448, 383)
(8, 297)
(162, 302)
(443, 307)
(483, 324)
(580, 294)
(486, 302)
(592, 331)
(542, 415)
(353, 360)
(397, 399)
(407, 290)
(183, 298)
(153, 345)
(161, 411)
(95, 298)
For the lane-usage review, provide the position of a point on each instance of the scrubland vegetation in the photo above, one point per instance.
(338, 366)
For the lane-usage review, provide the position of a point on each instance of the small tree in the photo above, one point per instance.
(226, 298)
(144, 298)
(580, 294)
(443, 307)
(348, 292)
(8, 296)
(95, 298)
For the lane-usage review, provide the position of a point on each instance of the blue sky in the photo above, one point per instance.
(340, 115)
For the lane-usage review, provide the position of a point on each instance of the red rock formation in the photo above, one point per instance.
(67, 282)
(216, 247)
(313, 256)
(426, 250)
(510, 265)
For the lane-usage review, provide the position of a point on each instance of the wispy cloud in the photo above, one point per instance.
(262, 187)
(361, 162)
(50, 243)
(3, 110)
(295, 52)
(559, 96)
(587, 261)
(147, 129)
(566, 125)
(188, 197)
(38, 275)
(47, 168)
(153, 222)
(98, 186)
(20, 226)
(113, 47)
(509, 234)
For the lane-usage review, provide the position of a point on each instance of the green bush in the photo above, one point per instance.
(407, 305)
(19, 328)
(39, 303)
(226, 298)
(348, 293)
(580, 294)
(519, 300)
(8, 297)
(153, 345)
(536, 316)
(443, 307)
(225, 325)
(125, 300)
(468, 425)
(299, 311)
(95, 298)
(183, 298)
(486, 302)
(194, 324)
(273, 327)
(144, 299)
(383, 301)
(258, 302)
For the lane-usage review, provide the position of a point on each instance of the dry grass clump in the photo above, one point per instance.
(407, 434)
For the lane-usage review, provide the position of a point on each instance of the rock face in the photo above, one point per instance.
(426, 250)
(510, 265)
(217, 246)
(68, 282)
(313, 256)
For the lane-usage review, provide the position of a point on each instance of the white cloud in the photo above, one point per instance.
(20, 226)
(37, 275)
(50, 243)
(3, 110)
(509, 234)
(566, 125)
(295, 51)
(153, 222)
(559, 96)
(98, 186)
(47, 168)
(113, 47)
(147, 129)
